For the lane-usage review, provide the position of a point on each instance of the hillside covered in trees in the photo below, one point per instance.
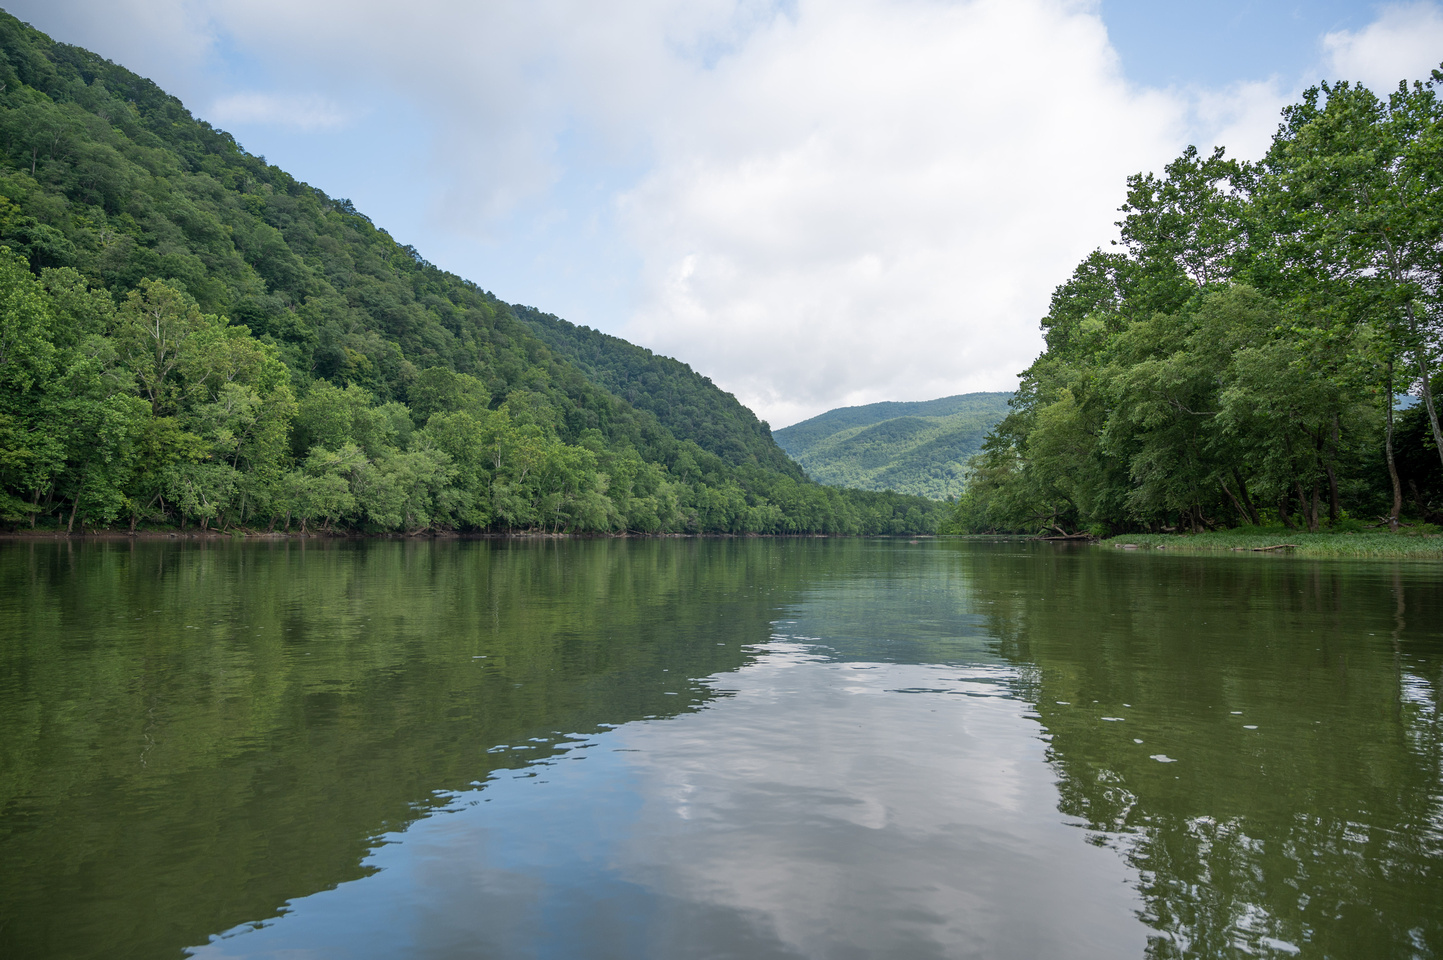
(918, 448)
(1244, 357)
(685, 402)
(189, 335)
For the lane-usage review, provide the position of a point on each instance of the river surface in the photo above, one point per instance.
(715, 748)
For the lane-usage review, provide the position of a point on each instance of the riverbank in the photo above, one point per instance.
(1371, 544)
(109, 534)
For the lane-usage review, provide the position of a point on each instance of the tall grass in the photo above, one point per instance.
(1415, 544)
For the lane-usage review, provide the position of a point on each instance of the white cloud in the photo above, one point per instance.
(874, 200)
(1404, 43)
(1242, 117)
(502, 84)
(301, 111)
(829, 202)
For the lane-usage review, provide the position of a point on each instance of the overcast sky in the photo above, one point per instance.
(816, 204)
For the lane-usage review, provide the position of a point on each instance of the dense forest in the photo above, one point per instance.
(918, 447)
(190, 336)
(685, 402)
(1262, 349)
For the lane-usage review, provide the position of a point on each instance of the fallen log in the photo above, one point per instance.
(1276, 546)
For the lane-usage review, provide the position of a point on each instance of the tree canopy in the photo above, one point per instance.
(1263, 347)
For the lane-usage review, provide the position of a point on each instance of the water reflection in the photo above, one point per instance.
(823, 809)
(1299, 702)
(197, 734)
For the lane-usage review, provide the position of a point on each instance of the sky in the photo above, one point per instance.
(816, 204)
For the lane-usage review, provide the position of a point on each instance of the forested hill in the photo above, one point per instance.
(189, 335)
(912, 447)
(686, 403)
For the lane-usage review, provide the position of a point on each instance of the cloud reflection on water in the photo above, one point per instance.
(825, 809)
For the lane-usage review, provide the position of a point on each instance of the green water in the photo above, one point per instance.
(764, 748)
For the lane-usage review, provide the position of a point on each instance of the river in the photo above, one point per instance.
(715, 748)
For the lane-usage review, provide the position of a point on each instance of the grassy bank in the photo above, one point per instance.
(1424, 544)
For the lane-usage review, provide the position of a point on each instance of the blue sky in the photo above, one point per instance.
(1163, 43)
(814, 203)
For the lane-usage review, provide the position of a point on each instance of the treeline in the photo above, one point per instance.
(1244, 358)
(191, 336)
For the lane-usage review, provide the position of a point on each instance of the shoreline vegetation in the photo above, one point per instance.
(1350, 545)
(118, 534)
(1261, 348)
(1421, 543)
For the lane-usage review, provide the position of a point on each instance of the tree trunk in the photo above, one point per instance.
(1283, 511)
(1428, 399)
(1420, 358)
(1418, 500)
(1388, 448)
(1310, 517)
(1237, 504)
(75, 507)
(1247, 499)
(1334, 508)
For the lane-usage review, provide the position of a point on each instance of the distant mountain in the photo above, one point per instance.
(916, 448)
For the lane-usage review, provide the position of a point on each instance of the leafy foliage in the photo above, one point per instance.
(1241, 361)
(685, 402)
(189, 335)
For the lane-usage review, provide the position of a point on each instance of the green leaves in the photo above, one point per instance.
(1247, 341)
(27, 355)
(1186, 228)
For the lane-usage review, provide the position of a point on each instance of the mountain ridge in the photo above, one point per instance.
(915, 447)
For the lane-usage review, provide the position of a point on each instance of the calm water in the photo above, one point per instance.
(749, 749)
